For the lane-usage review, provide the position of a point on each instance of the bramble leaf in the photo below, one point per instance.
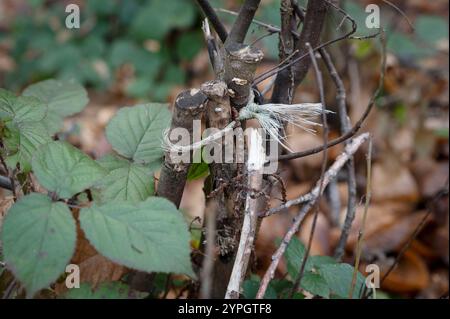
(339, 279)
(149, 236)
(21, 109)
(136, 132)
(125, 181)
(63, 97)
(65, 170)
(38, 238)
(21, 141)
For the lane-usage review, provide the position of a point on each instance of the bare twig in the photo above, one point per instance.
(328, 176)
(291, 74)
(364, 219)
(255, 165)
(313, 26)
(319, 81)
(270, 28)
(345, 127)
(242, 23)
(357, 125)
(213, 48)
(215, 21)
(401, 12)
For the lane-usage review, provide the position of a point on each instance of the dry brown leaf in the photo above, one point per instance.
(431, 176)
(379, 217)
(395, 182)
(409, 276)
(98, 269)
(394, 236)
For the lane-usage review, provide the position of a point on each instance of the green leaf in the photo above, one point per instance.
(106, 290)
(315, 284)
(20, 109)
(21, 142)
(150, 236)
(294, 255)
(431, 29)
(403, 46)
(125, 181)
(158, 17)
(250, 288)
(339, 279)
(38, 239)
(63, 97)
(283, 287)
(145, 63)
(136, 132)
(318, 261)
(65, 170)
(188, 45)
(198, 170)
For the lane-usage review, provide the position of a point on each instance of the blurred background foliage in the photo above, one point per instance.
(146, 44)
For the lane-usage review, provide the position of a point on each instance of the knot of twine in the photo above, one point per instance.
(271, 117)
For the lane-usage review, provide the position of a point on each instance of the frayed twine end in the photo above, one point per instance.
(271, 117)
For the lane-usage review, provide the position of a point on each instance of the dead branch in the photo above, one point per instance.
(345, 127)
(285, 85)
(214, 19)
(242, 23)
(319, 81)
(355, 127)
(255, 164)
(189, 106)
(328, 176)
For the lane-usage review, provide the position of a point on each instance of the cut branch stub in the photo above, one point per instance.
(189, 106)
(240, 66)
(218, 111)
